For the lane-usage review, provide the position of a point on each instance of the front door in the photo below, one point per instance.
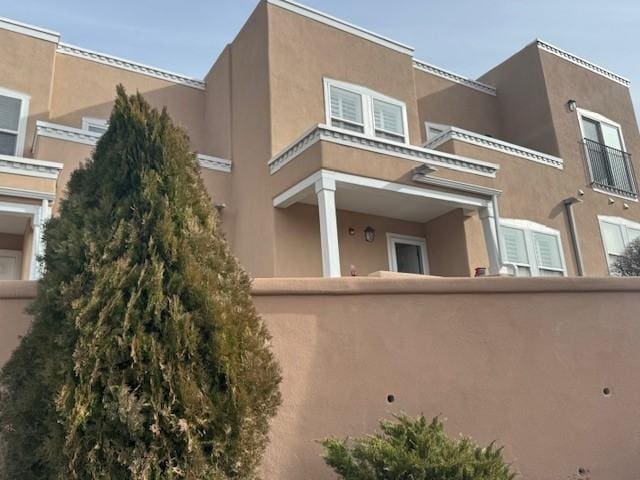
(407, 254)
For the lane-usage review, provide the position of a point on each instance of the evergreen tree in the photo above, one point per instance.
(414, 449)
(155, 364)
(628, 264)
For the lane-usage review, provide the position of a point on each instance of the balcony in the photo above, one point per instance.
(610, 169)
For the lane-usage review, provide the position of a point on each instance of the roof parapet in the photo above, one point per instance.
(29, 30)
(454, 77)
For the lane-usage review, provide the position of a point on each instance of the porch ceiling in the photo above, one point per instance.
(384, 203)
(13, 224)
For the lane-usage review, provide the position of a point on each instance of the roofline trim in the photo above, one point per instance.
(454, 77)
(547, 47)
(124, 64)
(342, 25)
(29, 30)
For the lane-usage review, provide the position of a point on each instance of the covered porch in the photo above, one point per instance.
(372, 210)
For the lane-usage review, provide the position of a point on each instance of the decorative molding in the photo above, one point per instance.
(214, 163)
(454, 77)
(24, 193)
(29, 167)
(383, 146)
(547, 47)
(29, 30)
(421, 177)
(64, 132)
(112, 61)
(342, 25)
(454, 133)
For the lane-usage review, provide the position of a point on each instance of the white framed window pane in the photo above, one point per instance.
(591, 130)
(514, 245)
(433, 132)
(346, 106)
(613, 239)
(10, 113)
(550, 273)
(633, 233)
(97, 129)
(547, 250)
(8, 143)
(611, 136)
(388, 117)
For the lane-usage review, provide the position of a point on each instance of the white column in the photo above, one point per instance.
(326, 191)
(37, 245)
(491, 228)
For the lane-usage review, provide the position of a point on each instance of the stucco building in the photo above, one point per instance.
(331, 150)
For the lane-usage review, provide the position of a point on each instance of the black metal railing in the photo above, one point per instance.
(611, 169)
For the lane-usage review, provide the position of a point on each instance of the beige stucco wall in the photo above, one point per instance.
(449, 103)
(520, 361)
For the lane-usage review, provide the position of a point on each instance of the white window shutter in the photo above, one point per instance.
(346, 105)
(547, 250)
(514, 245)
(388, 117)
(10, 113)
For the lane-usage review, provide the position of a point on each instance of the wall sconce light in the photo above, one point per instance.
(369, 234)
(572, 105)
(352, 231)
(219, 206)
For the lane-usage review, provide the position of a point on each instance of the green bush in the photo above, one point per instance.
(628, 264)
(414, 449)
(146, 358)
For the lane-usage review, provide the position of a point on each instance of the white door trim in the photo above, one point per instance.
(393, 238)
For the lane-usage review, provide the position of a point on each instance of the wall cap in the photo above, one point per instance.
(439, 285)
(29, 30)
(454, 77)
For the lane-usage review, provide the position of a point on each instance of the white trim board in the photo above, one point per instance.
(454, 77)
(117, 62)
(24, 193)
(29, 30)
(29, 167)
(334, 22)
(299, 190)
(64, 132)
(454, 133)
(214, 163)
(581, 62)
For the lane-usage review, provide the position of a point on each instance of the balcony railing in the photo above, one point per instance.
(611, 169)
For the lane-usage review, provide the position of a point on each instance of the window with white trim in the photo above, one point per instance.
(407, 254)
(361, 110)
(617, 234)
(95, 125)
(14, 110)
(536, 250)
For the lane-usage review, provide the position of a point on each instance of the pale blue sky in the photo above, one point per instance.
(466, 36)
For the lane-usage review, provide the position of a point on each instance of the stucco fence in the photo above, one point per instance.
(522, 361)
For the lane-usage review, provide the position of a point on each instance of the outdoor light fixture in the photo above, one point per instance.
(572, 104)
(219, 206)
(352, 231)
(369, 234)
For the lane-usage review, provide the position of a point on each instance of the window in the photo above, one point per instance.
(609, 164)
(407, 254)
(361, 110)
(617, 234)
(14, 109)
(534, 249)
(95, 125)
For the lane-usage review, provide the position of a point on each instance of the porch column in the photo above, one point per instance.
(490, 218)
(326, 192)
(37, 245)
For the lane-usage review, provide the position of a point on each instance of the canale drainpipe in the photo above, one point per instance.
(568, 205)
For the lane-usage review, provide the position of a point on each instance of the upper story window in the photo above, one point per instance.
(361, 110)
(536, 250)
(609, 164)
(434, 130)
(14, 110)
(617, 234)
(95, 125)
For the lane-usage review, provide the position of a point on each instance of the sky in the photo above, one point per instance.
(465, 36)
